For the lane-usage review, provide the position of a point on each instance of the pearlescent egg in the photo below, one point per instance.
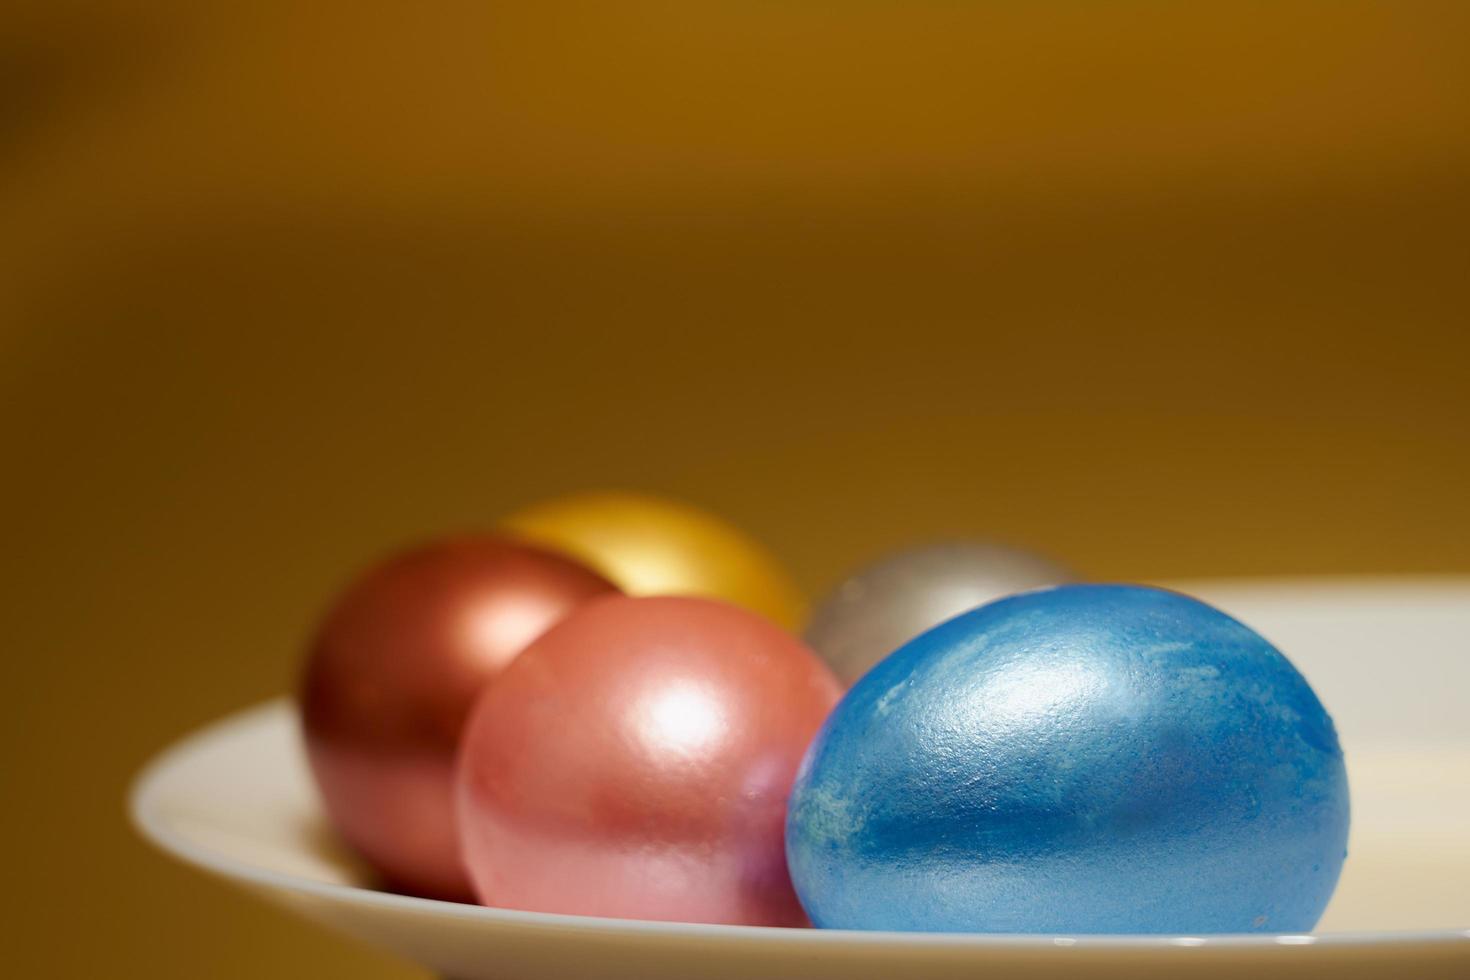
(636, 760)
(1084, 759)
(652, 546)
(888, 603)
(391, 676)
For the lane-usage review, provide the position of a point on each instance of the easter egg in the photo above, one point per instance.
(890, 602)
(1085, 759)
(652, 546)
(636, 760)
(391, 676)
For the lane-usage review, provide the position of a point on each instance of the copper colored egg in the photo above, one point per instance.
(636, 761)
(392, 674)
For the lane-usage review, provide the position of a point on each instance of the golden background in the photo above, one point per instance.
(1166, 289)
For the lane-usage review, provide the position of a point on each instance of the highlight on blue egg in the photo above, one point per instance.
(1083, 759)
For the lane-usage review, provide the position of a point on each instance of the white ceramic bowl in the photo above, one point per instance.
(1389, 658)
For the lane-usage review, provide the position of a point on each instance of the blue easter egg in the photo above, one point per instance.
(1084, 759)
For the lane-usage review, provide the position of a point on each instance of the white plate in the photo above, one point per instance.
(1389, 658)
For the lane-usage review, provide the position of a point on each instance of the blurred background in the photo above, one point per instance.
(1166, 290)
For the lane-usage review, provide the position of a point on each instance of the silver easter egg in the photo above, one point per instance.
(895, 599)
